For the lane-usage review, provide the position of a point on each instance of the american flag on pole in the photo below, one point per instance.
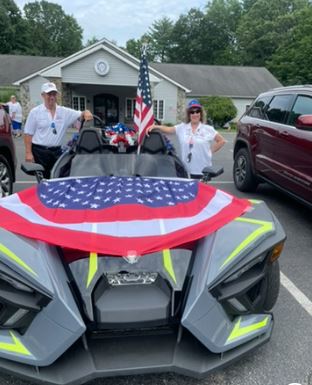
(114, 215)
(143, 113)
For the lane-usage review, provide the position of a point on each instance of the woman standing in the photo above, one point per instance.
(198, 141)
(16, 115)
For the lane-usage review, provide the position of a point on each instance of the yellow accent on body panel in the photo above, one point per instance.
(16, 259)
(93, 266)
(239, 331)
(255, 201)
(15, 347)
(168, 264)
(264, 227)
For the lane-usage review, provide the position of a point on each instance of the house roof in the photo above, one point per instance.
(231, 81)
(197, 80)
(14, 67)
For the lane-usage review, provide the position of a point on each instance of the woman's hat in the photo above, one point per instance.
(194, 103)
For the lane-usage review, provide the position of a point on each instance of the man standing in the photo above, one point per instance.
(46, 126)
(15, 111)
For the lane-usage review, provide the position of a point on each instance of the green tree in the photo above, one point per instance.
(247, 4)
(264, 28)
(91, 41)
(186, 38)
(52, 32)
(218, 37)
(134, 47)
(160, 39)
(13, 37)
(219, 109)
(291, 61)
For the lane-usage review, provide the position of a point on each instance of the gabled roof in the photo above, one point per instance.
(14, 67)
(55, 69)
(198, 80)
(231, 81)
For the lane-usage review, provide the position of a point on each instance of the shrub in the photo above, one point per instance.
(6, 92)
(219, 109)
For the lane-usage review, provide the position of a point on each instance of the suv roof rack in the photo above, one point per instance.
(291, 87)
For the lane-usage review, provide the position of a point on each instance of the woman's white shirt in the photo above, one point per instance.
(198, 143)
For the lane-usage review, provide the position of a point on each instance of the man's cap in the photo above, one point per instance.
(194, 103)
(48, 87)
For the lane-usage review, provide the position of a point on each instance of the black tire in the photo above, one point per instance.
(243, 176)
(6, 178)
(272, 286)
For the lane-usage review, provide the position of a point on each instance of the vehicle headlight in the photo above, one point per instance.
(19, 303)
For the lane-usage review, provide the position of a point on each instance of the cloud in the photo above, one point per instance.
(121, 20)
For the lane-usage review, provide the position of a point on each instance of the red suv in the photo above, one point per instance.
(274, 143)
(7, 154)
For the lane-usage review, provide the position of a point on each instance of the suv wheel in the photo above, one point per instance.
(6, 179)
(243, 176)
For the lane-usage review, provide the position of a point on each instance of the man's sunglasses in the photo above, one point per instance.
(195, 112)
(53, 128)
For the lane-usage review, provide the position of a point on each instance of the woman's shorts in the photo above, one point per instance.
(16, 125)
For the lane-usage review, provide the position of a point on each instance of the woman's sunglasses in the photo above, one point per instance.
(189, 155)
(195, 112)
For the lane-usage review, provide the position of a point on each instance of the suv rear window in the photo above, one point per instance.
(278, 108)
(258, 109)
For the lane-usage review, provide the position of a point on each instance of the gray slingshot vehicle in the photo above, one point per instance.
(140, 280)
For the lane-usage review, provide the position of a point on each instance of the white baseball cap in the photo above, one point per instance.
(48, 87)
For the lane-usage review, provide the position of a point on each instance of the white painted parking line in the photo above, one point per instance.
(221, 182)
(25, 182)
(301, 298)
(211, 182)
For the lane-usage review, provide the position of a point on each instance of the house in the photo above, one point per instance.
(103, 78)
(241, 84)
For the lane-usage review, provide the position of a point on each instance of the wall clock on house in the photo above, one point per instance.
(101, 67)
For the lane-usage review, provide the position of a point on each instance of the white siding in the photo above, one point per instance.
(169, 93)
(241, 105)
(83, 72)
(35, 90)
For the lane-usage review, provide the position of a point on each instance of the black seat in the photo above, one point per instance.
(90, 141)
(155, 143)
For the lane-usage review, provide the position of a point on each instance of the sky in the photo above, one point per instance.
(121, 20)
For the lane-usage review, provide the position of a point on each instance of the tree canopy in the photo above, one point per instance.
(44, 30)
(275, 34)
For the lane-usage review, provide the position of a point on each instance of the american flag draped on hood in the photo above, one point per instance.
(116, 215)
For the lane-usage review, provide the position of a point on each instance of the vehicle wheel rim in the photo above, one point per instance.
(5, 182)
(240, 170)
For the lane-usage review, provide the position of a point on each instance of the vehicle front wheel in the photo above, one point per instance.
(6, 178)
(243, 176)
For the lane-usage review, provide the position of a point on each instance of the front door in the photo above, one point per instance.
(106, 106)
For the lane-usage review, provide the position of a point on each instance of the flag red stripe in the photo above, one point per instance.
(113, 245)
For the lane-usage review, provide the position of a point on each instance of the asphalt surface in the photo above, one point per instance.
(287, 358)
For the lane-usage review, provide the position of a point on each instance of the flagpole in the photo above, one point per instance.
(143, 114)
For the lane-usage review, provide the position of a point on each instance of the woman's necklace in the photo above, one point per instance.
(194, 128)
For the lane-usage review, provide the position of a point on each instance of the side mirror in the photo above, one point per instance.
(210, 172)
(34, 169)
(304, 122)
